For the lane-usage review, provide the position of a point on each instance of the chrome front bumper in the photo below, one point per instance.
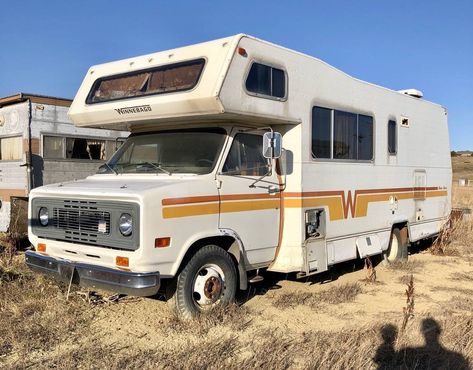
(141, 284)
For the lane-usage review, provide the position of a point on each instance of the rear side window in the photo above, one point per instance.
(266, 80)
(153, 81)
(392, 140)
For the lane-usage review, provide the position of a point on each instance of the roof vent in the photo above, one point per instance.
(412, 92)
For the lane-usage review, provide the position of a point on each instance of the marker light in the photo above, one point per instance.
(122, 261)
(242, 52)
(162, 242)
(41, 247)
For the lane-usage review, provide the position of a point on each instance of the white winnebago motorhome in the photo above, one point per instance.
(243, 155)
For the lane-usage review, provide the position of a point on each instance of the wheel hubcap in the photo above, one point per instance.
(208, 285)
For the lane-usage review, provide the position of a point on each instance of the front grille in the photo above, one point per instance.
(93, 222)
(81, 216)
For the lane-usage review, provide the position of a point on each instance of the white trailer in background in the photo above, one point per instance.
(190, 202)
(39, 145)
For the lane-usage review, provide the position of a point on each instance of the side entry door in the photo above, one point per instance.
(250, 198)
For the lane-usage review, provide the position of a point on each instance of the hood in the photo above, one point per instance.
(107, 186)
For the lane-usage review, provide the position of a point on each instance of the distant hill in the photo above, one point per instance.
(462, 153)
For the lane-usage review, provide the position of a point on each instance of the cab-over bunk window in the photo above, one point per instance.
(160, 80)
(341, 135)
(266, 81)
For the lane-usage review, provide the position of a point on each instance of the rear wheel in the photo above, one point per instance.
(209, 279)
(397, 250)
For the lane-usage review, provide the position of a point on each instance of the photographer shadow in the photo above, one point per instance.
(430, 356)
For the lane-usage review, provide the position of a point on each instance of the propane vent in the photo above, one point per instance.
(412, 92)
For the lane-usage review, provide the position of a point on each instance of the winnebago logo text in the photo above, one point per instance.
(136, 109)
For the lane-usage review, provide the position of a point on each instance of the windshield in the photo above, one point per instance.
(180, 151)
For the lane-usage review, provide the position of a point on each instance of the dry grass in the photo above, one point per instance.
(409, 267)
(39, 329)
(462, 168)
(335, 295)
(34, 314)
(276, 349)
(234, 317)
(461, 276)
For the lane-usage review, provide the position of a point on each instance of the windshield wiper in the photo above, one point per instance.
(158, 167)
(111, 168)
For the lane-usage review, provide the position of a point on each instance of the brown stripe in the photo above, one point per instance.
(190, 200)
(215, 198)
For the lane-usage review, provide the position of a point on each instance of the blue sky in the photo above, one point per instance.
(47, 46)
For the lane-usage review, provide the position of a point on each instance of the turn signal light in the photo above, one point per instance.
(41, 247)
(162, 242)
(122, 261)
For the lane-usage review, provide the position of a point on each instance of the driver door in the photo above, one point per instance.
(250, 202)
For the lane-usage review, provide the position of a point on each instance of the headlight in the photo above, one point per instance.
(43, 216)
(126, 224)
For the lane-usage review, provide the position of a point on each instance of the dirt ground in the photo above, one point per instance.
(334, 320)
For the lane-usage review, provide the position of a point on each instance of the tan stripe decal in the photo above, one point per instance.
(339, 205)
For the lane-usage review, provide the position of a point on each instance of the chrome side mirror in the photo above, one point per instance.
(272, 145)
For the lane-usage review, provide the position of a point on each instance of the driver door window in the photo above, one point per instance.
(246, 156)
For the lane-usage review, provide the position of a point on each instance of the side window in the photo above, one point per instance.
(53, 147)
(246, 156)
(392, 139)
(321, 132)
(266, 80)
(11, 148)
(341, 135)
(365, 137)
(344, 135)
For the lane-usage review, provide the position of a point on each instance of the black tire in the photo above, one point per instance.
(207, 280)
(397, 250)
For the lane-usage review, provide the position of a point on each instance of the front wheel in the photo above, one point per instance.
(397, 250)
(209, 279)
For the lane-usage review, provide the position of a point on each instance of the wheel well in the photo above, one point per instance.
(404, 229)
(223, 241)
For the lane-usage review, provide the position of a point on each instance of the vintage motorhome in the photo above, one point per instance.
(199, 199)
(39, 145)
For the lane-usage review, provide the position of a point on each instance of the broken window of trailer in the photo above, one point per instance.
(78, 148)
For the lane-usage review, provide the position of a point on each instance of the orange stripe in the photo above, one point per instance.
(192, 210)
(244, 206)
